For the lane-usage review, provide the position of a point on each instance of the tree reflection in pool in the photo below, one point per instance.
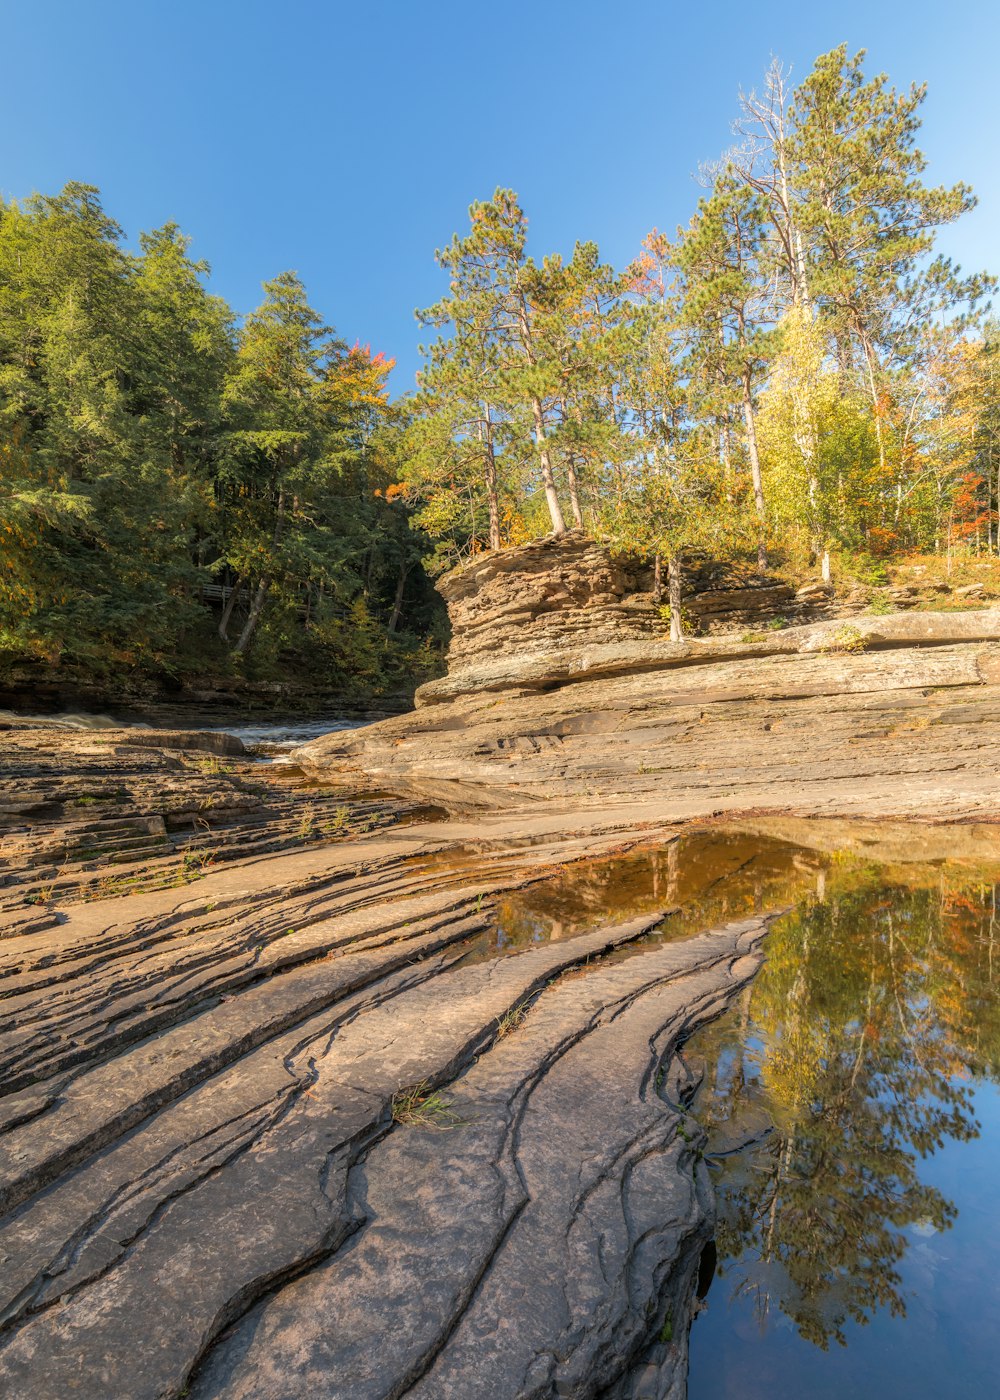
(851, 1096)
(855, 1134)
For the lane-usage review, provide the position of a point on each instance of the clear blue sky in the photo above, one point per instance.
(346, 140)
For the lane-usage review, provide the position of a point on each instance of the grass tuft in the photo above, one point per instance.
(420, 1107)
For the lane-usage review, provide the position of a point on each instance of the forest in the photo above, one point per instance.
(795, 381)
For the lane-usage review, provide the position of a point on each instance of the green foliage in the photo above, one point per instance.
(795, 371)
(847, 639)
(149, 447)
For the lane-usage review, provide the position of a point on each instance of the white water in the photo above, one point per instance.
(283, 734)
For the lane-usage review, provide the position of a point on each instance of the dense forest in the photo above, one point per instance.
(184, 493)
(794, 380)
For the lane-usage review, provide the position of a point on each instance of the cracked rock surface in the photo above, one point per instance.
(304, 1131)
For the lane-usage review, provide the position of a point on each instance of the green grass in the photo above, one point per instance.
(420, 1107)
(509, 1022)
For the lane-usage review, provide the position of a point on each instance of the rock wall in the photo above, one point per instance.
(570, 590)
(531, 615)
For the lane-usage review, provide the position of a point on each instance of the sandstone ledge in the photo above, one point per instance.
(907, 724)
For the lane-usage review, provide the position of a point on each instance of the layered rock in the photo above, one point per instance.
(85, 813)
(866, 716)
(570, 591)
(305, 1127)
(222, 1115)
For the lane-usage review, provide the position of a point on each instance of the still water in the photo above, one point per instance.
(859, 1238)
(853, 1108)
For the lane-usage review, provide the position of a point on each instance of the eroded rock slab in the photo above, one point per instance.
(523, 1245)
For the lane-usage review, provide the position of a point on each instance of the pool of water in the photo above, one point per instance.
(854, 1113)
(852, 1099)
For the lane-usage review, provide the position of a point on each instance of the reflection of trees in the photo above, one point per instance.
(871, 1009)
(706, 877)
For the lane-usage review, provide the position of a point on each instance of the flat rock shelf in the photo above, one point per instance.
(330, 1141)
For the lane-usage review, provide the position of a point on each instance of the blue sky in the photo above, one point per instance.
(346, 141)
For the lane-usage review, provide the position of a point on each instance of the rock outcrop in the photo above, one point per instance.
(316, 1126)
(86, 813)
(570, 591)
(221, 1132)
(895, 715)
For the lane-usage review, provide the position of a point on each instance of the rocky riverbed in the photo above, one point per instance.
(291, 1105)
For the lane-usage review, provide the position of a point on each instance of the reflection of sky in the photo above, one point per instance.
(948, 1344)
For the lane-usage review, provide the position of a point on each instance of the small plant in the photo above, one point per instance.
(667, 1330)
(880, 607)
(776, 624)
(341, 818)
(213, 765)
(687, 622)
(43, 895)
(845, 639)
(420, 1107)
(509, 1022)
(753, 637)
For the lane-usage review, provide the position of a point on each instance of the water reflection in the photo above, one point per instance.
(852, 1102)
(867, 1045)
(705, 877)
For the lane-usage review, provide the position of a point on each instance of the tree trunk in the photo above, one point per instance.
(489, 477)
(571, 477)
(869, 354)
(256, 608)
(657, 579)
(574, 492)
(825, 566)
(397, 602)
(674, 596)
(755, 476)
(548, 480)
(263, 588)
(227, 611)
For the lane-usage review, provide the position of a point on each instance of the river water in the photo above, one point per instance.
(853, 1106)
(278, 733)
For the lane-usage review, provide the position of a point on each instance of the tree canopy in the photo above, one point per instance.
(795, 377)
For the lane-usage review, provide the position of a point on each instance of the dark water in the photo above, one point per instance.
(854, 1110)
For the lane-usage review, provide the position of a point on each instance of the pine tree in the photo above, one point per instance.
(869, 220)
(721, 308)
(273, 399)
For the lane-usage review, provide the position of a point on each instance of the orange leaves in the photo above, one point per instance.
(361, 377)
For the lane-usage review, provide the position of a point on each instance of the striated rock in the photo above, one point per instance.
(570, 591)
(200, 1126)
(894, 715)
(209, 740)
(563, 1195)
(816, 592)
(307, 1130)
(84, 813)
